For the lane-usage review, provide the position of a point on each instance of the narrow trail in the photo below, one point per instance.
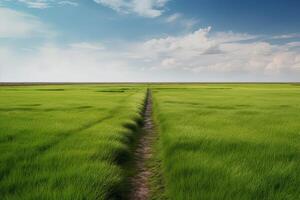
(143, 152)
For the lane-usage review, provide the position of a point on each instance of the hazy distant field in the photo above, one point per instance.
(65, 142)
(230, 141)
(216, 141)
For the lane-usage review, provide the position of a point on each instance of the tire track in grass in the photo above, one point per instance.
(143, 152)
(3, 139)
(41, 149)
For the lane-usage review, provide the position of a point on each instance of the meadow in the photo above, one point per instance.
(214, 141)
(229, 141)
(66, 142)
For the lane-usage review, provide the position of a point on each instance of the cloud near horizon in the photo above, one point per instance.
(199, 52)
(223, 52)
(201, 55)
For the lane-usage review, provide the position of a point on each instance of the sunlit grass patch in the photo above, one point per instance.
(238, 143)
(65, 142)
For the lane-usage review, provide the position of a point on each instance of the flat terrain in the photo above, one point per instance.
(211, 141)
(66, 142)
(230, 141)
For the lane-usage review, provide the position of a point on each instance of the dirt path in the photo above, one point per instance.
(140, 181)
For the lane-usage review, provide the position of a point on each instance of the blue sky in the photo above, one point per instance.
(149, 40)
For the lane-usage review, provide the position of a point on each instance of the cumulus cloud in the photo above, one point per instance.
(145, 8)
(199, 55)
(15, 24)
(224, 52)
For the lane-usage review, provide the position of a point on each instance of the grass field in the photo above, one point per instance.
(230, 141)
(216, 141)
(66, 142)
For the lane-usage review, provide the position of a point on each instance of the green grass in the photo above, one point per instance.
(216, 141)
(66, 142)
(229, 141)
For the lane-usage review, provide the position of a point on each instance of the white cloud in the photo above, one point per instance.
(174, 17)
(224, 52)
(70, 3)
(51, 62)
(196, 56)
(88, 46)
(145, 8)
(293, 44)
(17, 24)
(43, 4)
(181, 20)
(168, 63)
(287, 36)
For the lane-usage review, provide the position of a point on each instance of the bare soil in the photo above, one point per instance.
(143, 152)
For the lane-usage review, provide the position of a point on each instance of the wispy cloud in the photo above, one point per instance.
(51, 62)
(173, 18)
(88, 46)
(43, 4)
(16, 24)
(181, 20)
(70, 3)
(287, 36)
(197, 53)
(145, 8)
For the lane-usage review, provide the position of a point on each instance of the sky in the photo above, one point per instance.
(149, 41)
